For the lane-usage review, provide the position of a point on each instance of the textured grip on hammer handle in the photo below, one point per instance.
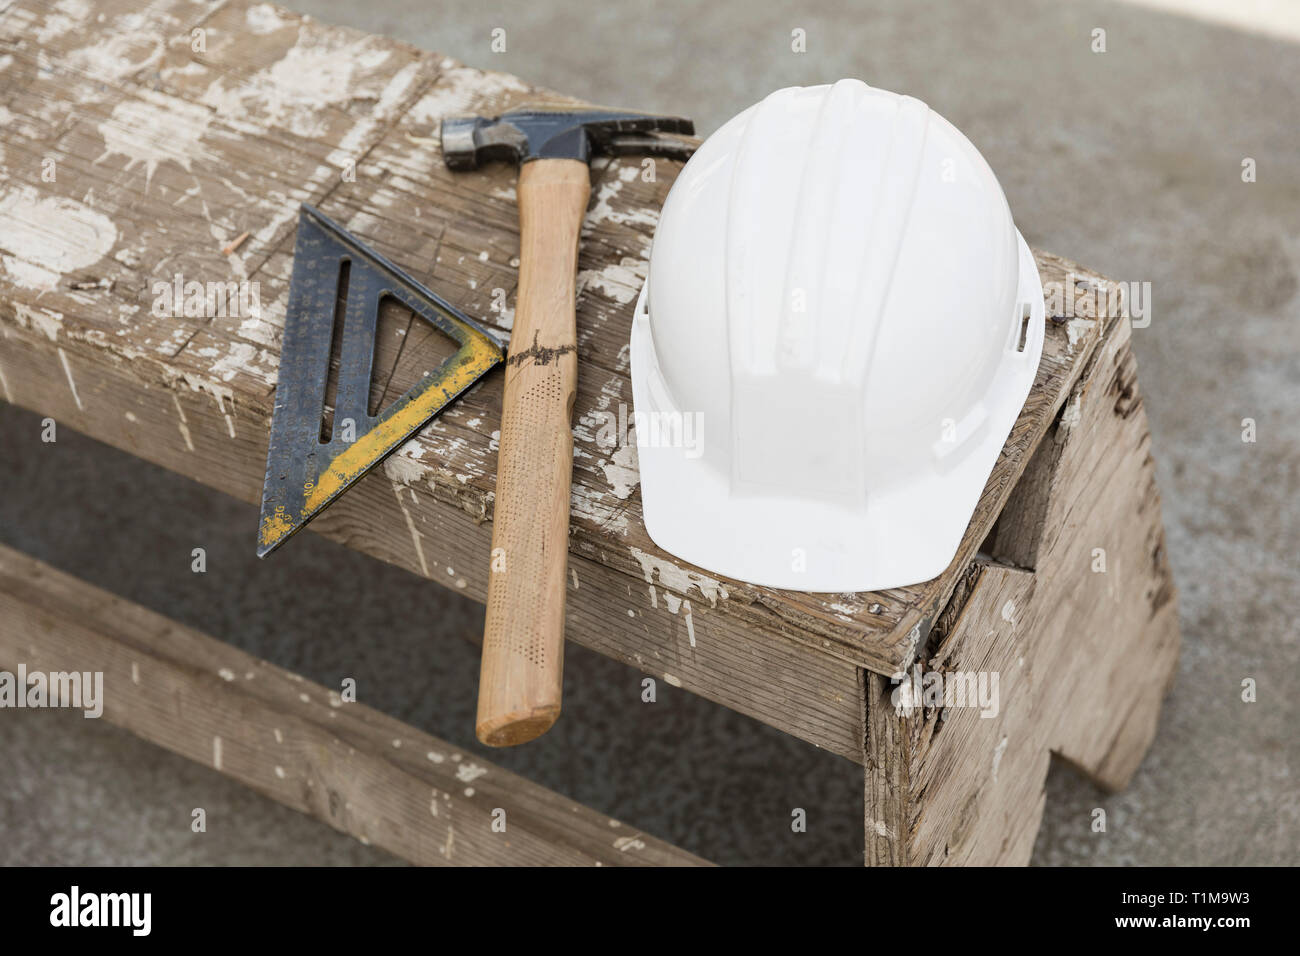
(522, 673)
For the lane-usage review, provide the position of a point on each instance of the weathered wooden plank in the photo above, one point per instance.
(160, 166)
(444, 538)
(299, 743)
(1078, 621)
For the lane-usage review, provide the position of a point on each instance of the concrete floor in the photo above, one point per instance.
(1128, 161)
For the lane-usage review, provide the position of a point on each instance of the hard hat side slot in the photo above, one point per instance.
(1026, 313)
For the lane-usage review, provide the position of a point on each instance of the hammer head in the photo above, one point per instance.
(526, 134)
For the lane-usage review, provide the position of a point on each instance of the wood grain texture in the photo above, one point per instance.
(522, 677)
(1073, 607)
(164, 154)
(296, 742)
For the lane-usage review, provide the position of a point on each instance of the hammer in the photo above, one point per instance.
(521, 679)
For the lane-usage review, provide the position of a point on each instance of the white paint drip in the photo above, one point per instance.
(216, 752)
(415, 532)
(183, 423)
(678, 579)
(67, 370)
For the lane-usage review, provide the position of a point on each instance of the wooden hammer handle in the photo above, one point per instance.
(523, 640)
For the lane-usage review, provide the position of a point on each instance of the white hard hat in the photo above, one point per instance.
(838, 330)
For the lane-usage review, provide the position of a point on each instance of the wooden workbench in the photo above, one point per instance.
(139, 147)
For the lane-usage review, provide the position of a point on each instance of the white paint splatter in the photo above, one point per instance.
(622, 470)
(603, 211)
(263, 18)
(65, 15)
(619, 281)
(239, 357)
(469, 772)
(51, 234)
(119, 56)
(156, 129)
(404, 466)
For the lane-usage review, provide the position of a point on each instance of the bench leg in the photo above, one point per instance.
(350, 766)
(1070, 615)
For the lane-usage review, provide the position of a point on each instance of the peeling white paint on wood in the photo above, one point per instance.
(1077, 330)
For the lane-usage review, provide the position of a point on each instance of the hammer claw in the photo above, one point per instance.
(648, 145)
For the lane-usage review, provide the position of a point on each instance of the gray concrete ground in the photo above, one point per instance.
(1128, 160)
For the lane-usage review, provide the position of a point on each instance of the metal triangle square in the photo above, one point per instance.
(304, 472)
